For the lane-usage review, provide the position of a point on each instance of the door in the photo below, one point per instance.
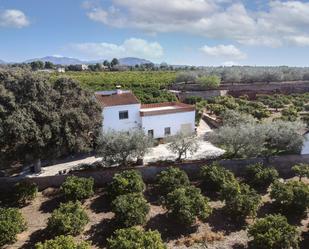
(150, 133)
(186, 128)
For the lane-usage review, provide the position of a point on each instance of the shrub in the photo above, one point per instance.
(69, 219)
(130, 209)
(171, 179)
(301, 170)
(241, 202)
(186, 204)
(259, 176)
(126, 182)
(273, 232)
(77, 188)
(11, 224)
(211, 81)
(62, 242)
(134, 238)
(290, 196)
(25, 192)
(215, 176)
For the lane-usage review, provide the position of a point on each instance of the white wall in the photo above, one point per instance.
(173, 120)
(111, 119)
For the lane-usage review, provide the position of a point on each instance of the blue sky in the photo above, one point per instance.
(195, 32)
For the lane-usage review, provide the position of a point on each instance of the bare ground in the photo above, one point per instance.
(217, 233)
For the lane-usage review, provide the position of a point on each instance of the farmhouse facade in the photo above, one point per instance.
(122, 111)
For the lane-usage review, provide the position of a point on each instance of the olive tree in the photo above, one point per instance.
(121, 147)
(244, 140)
(181, 144)
(282, 136)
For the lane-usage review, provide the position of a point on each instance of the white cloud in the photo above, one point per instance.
(131, 47)
(13, 18)
(277, 24)
(224, 51)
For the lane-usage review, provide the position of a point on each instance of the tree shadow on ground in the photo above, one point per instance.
(168, 228)
(49, 205)
(100, 204)
(219, 222)
(152, 195)
(238, 246)
(266, 209)
(37, 236)
(99, 233)
(304, 244)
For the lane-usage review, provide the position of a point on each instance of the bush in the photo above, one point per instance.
(301, 170)
(126, 182)
(130, 209)
(241, 202)
(215, 176)
(290, 196)
(25, 192)
(62, 242)
(69, 219)
(273, 232)
(77, 188)
(171, 179)
(186, 204)
(11, 224)
(134, 238)
(211, 81)
(259, 176)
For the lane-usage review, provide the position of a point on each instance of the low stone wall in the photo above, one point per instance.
(236, 90)
(103, 176)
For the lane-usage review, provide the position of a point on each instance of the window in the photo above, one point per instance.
(167, 131)
(123, 115)
(150, 133)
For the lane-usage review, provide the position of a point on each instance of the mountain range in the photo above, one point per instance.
(2, 62)
(128, 61)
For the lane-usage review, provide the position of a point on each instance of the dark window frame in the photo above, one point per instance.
(123, 115)
(167, 129)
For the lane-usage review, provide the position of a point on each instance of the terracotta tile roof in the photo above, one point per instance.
(126, 98)
(165, 108)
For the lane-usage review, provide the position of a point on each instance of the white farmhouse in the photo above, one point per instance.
(122, 111)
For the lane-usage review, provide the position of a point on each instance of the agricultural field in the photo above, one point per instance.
(211, 219)
(149, 87)
(286, 107)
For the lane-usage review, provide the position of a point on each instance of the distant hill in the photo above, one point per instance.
(132, 61)
(57, 60)
(2, 62)
(128, 61)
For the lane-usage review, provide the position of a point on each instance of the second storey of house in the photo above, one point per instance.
(120, 110)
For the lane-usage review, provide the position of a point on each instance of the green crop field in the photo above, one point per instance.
(108, 80)
(149, 87)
